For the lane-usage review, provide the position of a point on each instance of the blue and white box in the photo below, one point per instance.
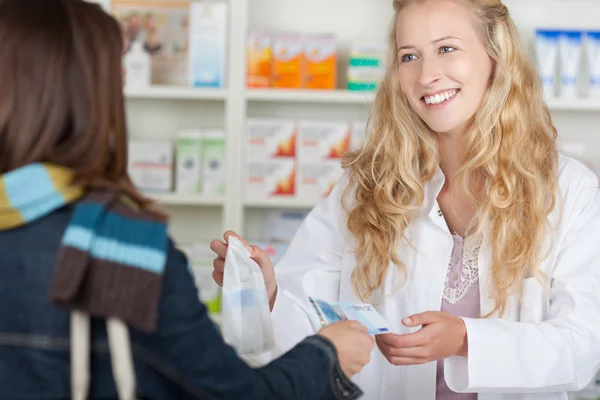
(208, 44)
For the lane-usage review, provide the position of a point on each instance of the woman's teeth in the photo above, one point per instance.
(440, 97)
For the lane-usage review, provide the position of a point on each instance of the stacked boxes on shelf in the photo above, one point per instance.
(291, 61)
(366, 66)
(569, 62)
(321, 145)
(294, 61)
(301, 159)
(192, 164)
(270, 158)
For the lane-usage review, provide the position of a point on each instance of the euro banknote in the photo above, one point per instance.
(366, 314)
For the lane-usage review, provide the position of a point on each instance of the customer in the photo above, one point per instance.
(76, 235)
(459, 220)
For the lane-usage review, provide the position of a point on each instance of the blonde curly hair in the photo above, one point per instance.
(510, 167)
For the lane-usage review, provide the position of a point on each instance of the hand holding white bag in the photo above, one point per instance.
(246, 322)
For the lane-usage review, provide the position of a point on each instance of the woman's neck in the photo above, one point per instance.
(450, 155)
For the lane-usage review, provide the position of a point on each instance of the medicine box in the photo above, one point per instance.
(282, 225)
(322, 140)
(150, 165)
(288, 59)
(259, 59)
(213, 163)
(268, 178)
(207, 43)
(270, 138)
(188, 167)
(320, 70)
(317, 179)
(358, 134)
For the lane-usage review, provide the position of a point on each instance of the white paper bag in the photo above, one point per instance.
(246, 323)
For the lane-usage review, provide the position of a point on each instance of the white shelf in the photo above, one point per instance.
(175, 199)
(282, 202)
(175, 93)
(581, 104)
(349, 97)
(310, 96)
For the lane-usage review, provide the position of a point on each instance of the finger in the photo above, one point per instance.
(424, 318)
(389, 339)
(218, 277)
(357, 325)
(410, 352)
(261, 257)
(241, 239)
(357, 367)
(219, 265)
(219, 248)
(416, 339)
(407, 361)
(348, 324)
(391, 351)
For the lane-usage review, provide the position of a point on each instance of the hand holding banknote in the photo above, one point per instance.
(353, 345)
(441, 335)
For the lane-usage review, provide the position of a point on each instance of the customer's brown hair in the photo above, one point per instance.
(61, 91)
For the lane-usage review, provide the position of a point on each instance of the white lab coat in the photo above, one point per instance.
(540, 350)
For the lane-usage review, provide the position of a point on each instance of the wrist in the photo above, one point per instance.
(463, 351)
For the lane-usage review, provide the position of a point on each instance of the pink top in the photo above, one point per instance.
(461, 299)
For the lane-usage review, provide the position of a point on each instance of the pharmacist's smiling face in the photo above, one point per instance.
(443, 68)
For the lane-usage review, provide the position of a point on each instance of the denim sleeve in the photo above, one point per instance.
(188, 351)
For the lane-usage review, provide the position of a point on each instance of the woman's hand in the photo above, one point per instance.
(256, 253)
(441, 335)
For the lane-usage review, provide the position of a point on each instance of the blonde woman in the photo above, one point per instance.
(459, 220)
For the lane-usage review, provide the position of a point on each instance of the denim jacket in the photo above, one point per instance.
(186, 358)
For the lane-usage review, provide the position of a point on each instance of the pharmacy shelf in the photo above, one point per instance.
(281, 202)
(175, 199)
(175, 93)
(581, 104)
(309, 96)
(348, 97)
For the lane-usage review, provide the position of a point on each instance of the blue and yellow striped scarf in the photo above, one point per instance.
(113, 254)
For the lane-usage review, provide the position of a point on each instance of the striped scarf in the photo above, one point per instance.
(112, 254)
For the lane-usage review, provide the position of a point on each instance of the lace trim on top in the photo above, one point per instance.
(463, 270)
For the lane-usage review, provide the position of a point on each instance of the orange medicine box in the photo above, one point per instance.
(288, 59)
(320, 62)
(259, 59)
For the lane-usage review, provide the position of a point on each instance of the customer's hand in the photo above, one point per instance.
(441, 335)
(353, 345)
(256, 253)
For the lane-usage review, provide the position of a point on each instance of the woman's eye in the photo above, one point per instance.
(446, 49)
(408, 57)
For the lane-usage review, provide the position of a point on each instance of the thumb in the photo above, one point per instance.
(427, 317)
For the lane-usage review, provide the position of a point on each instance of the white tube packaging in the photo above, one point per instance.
(571, 49)
(592, 47)
(546, 43)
